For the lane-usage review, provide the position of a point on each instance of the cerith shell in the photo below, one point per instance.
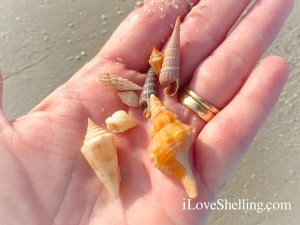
(117, 83)
(170, 71)
(149, 89)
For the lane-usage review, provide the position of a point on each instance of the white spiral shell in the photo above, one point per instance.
(170, 71)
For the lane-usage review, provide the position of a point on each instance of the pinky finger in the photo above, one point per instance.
(225, 139)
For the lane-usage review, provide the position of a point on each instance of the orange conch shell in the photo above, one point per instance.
(172, 141)
(170, 72)
(156, 61)
(100, 151)
(117, 83)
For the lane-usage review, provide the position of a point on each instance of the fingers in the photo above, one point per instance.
(224, 140)
(146, 27)
(204, 28)
(150, 26)
(223, 73)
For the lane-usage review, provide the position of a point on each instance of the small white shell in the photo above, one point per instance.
(100, 151)
(120, 121)
(129, 98)
(116, 82)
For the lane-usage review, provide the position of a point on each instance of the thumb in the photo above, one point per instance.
(3, 120)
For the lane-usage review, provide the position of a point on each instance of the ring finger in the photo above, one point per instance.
(224, 72)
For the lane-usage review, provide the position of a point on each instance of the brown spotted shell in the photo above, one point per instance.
(149, 89)
(170, 72)
(171, 144)
(100, 151)
(116, 82)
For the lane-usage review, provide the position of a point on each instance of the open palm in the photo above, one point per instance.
(46, 180)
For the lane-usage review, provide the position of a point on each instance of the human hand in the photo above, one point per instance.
(46, 180)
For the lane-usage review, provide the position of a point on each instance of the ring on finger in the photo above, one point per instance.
(198, 105)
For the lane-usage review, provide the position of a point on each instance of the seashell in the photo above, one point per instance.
(100, 151)
(170, 71)
(117, 83)
(156, 61)
(149, 88)
(171, 144)
(120, 121)
(129, 98)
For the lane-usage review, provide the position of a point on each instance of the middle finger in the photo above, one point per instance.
(204, 28)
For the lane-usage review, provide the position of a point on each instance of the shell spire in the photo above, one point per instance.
(100, 151)
(149, 89)
(170, 71)
(171, 144)
(117, 83)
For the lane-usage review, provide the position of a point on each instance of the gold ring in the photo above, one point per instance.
(202, 101)
(196, 106)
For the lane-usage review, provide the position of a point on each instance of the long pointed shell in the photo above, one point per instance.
(116, 82)
(149, 89)
(172, 141)
(129, 98)
(100, 151)
(170, 72)
(156, 61)
(120, 121)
